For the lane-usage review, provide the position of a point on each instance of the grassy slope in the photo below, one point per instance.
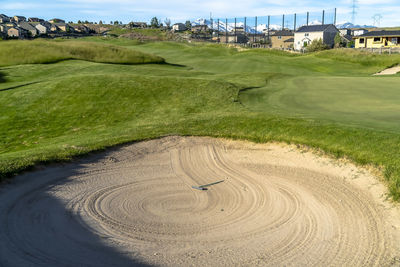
(39, 51)
(79, 106)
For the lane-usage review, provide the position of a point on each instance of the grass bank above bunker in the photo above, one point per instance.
(58, 111)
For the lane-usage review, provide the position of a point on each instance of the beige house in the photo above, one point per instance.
(306, 34)
(19, 19)
(81, 29)
(282, 39)
(64, 27)
(14, 32)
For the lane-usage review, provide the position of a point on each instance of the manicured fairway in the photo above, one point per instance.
(370, 102)
(328, 100)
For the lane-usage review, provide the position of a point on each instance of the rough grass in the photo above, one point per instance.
(361, 57)
(51, 112)
(44, 51)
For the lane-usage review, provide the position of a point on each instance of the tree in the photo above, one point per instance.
(116, 22)
(79, 22)
(100, 22)
(188, 25)
(154, 23)
(338, 40)
(111, 22)
(317, 45)
(167, 22)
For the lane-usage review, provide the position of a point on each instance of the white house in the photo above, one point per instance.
(359, 32)
(42, 28)
(178, 27)
(306, 34)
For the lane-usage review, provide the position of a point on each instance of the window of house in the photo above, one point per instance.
(279, 37)
(306, 34)
(395, 40)
(362, 40)
(377, 39)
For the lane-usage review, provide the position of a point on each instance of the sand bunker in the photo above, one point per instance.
(136, 205)
(389, 71)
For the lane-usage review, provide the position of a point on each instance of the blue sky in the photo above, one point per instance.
(134, 10)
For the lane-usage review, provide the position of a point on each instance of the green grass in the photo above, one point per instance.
(53, 112)
(39, 51)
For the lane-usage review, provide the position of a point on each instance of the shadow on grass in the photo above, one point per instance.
(18, 86)
(40, 229)
(2, 77)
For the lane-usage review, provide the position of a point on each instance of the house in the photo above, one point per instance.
(81, 28)
(4, 18)
(15, 32)
(358, 32)
(178, 27)
(32, 31)
(138, 25)
(64, 27)
(57, 21)
(232, 38)
(199, 28)
(19, 19)
(282, 39)
(43, 28)
(344, 32)
(378, 39)
(306, 34)
(54, 28)
(35, 20)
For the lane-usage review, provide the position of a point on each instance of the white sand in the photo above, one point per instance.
(277, 207)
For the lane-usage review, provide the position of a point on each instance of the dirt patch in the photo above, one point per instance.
(136, 205)
(389, 71)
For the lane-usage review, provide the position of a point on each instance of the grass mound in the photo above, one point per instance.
(45, 51)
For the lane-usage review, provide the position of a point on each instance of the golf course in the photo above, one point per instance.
(117, 132)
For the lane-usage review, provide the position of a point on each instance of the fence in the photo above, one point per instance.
(382, 50)
(258, 29)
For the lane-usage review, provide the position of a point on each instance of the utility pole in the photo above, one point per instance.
(235, 32)
(226, 30)
(283, 22)
(323, 17)
(295, 17)
(218, 30)
(334, 22)
(354, 11)
(308, 17)
(255, 31)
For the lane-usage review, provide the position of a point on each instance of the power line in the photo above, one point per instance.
(354, 8)
(377, 19)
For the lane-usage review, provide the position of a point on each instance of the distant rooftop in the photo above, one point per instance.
(380, 34)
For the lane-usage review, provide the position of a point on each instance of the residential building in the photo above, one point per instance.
(43, 28)
(138, 25)
(358, 32)
(199, 28)
(14, 32)
(4, 18)
(378, 39)
(178, 27)
(35, 20)
(239, 38)
(57, 21)
(306, 34)
(344, 32)
(19, 19)
(54, 28)
(81, 28)
(282, 39)
(32, 31)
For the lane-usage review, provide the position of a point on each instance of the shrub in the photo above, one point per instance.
(317, 45)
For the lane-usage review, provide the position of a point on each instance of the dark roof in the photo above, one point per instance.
(290, 40)
(283, 33)
(380, 34)
(314, 28)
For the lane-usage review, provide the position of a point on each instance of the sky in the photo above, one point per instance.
(180, 11)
